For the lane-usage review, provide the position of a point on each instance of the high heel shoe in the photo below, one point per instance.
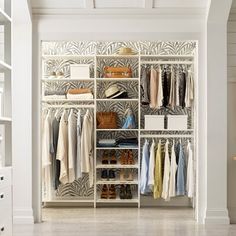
(130, 158)
(105, 158)
(113, 160)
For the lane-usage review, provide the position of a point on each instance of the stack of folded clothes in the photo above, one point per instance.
(80, 93)
(107, 143)
(54, 95)
(127, 142)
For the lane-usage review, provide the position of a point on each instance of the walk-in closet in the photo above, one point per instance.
(118, 123)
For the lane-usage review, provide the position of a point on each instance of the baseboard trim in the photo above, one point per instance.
(23, 216)
(232, 215)
(217, 216)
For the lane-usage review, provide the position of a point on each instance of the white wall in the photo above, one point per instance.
(118, 28)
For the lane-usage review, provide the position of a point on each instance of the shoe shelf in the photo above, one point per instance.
(117, 181)
(117, 200)
(116, 166)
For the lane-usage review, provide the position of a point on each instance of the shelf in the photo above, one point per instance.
(118, 200)
(167, 56)
(67, 80)
(125, 130)
(99, 182)
(166, 130)
(5, 120)
(4, 66)
(118, 100)
(116, 166)
(67, 100)
(118, 56)
(121, 148)
(69, 200)
(117, 79)
(51, 57)
(4, 18)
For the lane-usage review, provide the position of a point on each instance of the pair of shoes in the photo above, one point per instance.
(127, 158)
(108, 174)
(106, 158)
(58, 75)
(108, 192)
(125, 192)
(126, 175)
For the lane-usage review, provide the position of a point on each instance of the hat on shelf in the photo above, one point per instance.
(126, 51)
(114, 92)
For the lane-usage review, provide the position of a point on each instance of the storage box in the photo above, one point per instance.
(79, 71)
(177, 122)
(154, 122)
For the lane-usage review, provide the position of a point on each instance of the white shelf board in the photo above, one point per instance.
(117, 79)
(166, 130)
(63, 56)
(118, 56)
(118, 100)
(99, 182)
(121, 148)
(69, 200)
(4, 17)
(116, 166)
(67, 80)
(108, 130)
(167, 56)
(67, 100)
(4, 66)
(118, 200)
(5, 120)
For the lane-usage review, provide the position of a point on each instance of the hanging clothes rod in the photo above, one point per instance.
(167, 62)
(69, 106)
(166, 136)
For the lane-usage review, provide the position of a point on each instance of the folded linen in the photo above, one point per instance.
(80, 96)
(79, 91)
(107, 141)
(46, 93)
(49, 97)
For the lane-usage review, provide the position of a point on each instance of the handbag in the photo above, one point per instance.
(129, 122)
(117, 72)
(106, 120)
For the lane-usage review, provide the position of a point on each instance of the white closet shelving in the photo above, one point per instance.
(139, 132)
(6, 125)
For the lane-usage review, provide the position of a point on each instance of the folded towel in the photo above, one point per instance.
(107, 141)
(79, 91)
(80, 96)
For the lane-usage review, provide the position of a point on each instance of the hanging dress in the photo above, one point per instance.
(173, 169)
(159, 102)
(153, 88)
(166, 176)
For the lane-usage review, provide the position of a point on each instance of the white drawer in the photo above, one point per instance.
(5, 177)
(6, 227)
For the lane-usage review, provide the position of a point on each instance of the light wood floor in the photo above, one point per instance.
(121, 221)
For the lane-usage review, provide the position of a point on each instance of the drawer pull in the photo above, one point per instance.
(1, 178)
(2, 229)
(2, 196)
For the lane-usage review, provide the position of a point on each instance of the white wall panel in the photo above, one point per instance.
(58, 3)
(119, 4)
(179, 3)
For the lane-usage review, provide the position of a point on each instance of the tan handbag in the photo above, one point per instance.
(117, 72)
(106, 120)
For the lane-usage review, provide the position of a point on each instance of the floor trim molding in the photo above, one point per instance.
(217, 216)
(23, 216)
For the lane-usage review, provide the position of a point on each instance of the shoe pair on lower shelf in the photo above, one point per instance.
(108, 192)
(125, 192)
(109, 158)
(108, 174)
(127, 158)
(126, 175)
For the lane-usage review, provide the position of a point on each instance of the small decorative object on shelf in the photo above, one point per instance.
(79, 71)
(126, 51)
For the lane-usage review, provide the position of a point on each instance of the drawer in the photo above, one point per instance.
(6, 227)
(5, 200)
(5, 177)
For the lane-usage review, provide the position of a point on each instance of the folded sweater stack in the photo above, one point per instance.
(80, 93)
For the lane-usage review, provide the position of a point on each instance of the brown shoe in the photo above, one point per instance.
(130, 158)
(112, 192)
(113, 160)
(123, 158)
(122, 175)
(105, 158)
(130, 176)
(105, 193)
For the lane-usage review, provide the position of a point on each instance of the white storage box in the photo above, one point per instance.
(154, 122)
(79, 71)
(177, 122)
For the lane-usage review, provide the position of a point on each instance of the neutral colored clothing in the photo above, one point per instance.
(145, 87)
(87, 146)
(181, 173)
(173, 169)
(72, 145)
(190, 171)
(62, 149)
(78, 157)
(166, 88)
(151, 167)
(80, 96)
(166, 176)
(157, 190)
(182, 89)
(177, 89)
(189, 94)
(144, 169)
(153, 88)
(159, 90)
(172, 98)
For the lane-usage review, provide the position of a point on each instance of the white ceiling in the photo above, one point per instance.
(117, 4)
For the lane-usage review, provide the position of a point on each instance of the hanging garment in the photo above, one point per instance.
(172, 98)
(87, 146)
(56, 163)
(154, 78)
(159, 90)
(166, 88)
(62, 149)
(182, 89)
(181, 173)
(144, 169)
(72, 145)
(177, 89)
(46, 157)
(144, 87)
(78, 157)
(151, 167)
(173, 169)
(189, 93)
(129, 122)
(190, 171)
(157, 190)
(166, 176)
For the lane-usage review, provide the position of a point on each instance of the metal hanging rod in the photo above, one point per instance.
(69, 106)
(167, 62)
(166, 136)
